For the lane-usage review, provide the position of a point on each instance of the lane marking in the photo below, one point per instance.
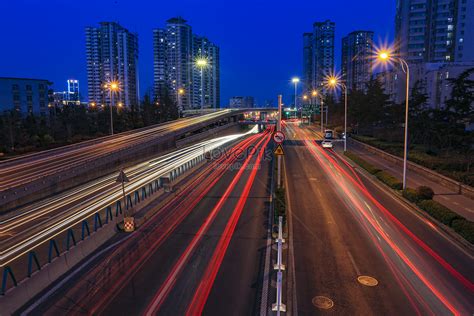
(356, 268)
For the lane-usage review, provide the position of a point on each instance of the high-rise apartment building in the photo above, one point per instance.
(112, 55)
(318, 54)
(357, 59)
(176, 49)
(435, 30)
(203, 48)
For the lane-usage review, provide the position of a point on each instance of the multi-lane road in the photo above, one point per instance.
(346, 226)
(354, 248)
(201, 253)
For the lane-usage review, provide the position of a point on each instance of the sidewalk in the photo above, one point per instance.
(458, 203)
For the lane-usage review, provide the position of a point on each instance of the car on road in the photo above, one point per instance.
(326, 143)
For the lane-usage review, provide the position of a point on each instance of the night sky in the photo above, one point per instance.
(260, 41)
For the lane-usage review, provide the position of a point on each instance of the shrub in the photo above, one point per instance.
(439, 211)
(464, 228)
(424, 192)
(361, 162)
(411, 195)
(389, 180)
(280, 204)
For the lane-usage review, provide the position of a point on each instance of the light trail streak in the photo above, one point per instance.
(202, 293)
(166, 287)
(206, 182)
(104, 195)
(349, 193)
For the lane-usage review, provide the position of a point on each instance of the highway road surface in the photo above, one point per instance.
(201, 253)
(358, 250)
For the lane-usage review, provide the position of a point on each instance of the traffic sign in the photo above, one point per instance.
(128, 224)
(278, 137)
(279, 151)
(122, 177)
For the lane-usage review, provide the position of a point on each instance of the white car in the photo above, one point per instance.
(326, 144)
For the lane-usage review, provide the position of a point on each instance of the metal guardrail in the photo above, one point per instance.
(278, 306)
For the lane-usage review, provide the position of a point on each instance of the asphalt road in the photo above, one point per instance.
(344, 229)
(215, 269)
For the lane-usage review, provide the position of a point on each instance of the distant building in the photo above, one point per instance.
(73, 89)
(242, 102)
(432, 79)
(112, 55)
(357, 59)
(435, 31)
(27, 96)
(176, 49)
(69, 97)
(318, 54)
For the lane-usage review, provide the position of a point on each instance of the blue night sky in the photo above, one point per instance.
(260, 41)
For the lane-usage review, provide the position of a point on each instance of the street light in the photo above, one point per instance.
(112, 86)
(385, 56)
(180, 93)
(295, 80)
(315, 93)
(201, 63)
(333, 82)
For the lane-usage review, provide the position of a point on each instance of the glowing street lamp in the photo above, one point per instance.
(334, 82)
(295, 81)
(112, 86)
(314, 94)
(385, 56)
(201, 63)
(180, 93)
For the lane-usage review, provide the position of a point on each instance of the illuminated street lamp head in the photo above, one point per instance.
(201, 62)
(384, 55)
(114, 86)
(305, 97)
(120, 104)
(92, 104)
(314, 93)
(181, 91)
(295, 80)
(332, 81)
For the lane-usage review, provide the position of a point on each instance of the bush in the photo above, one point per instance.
(361, 162)
(424, 192)
(411, 195)
(280, 204)
(439, 211)
(389, 180)
(464, 228)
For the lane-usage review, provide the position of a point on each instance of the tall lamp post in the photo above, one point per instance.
(295, 80)
(180, 94)
(305, 98)
(385, 56)
(334, 82)
(201, 63)
(315, 93)
(113, 87)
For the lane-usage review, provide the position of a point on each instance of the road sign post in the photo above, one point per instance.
(280, 104)
(279, 152)
(122, 178)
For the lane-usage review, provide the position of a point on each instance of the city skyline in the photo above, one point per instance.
(64, 59)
